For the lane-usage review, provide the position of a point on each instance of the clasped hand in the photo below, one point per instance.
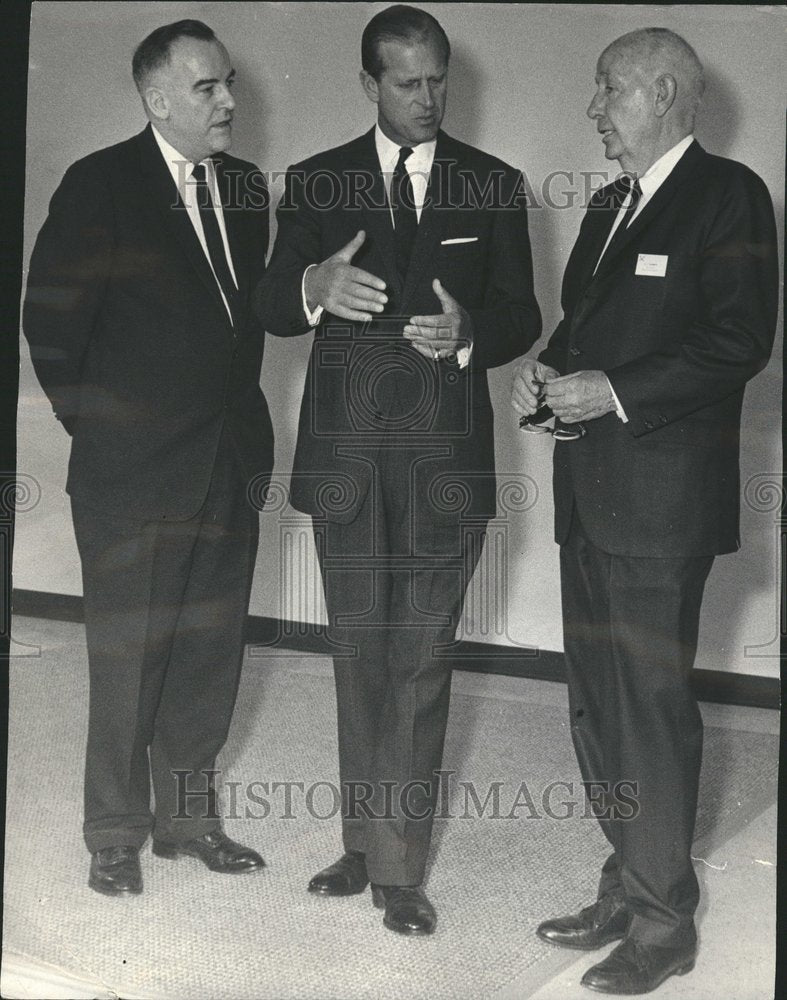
(583, 395)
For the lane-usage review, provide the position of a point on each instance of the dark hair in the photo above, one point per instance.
(153, 51)
(398, 23)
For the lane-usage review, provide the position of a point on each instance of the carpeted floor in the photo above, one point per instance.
(195, 934)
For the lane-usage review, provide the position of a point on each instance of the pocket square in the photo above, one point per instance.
(458, 239)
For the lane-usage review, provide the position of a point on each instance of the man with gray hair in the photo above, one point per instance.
(137, 314)
(670, 302)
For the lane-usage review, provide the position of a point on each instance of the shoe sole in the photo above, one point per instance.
(107, 891)
(581, 947)
(682, 970)
(409, 931)
(319, 890)
(173, 853)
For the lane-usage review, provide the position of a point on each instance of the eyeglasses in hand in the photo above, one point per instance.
(536, 422)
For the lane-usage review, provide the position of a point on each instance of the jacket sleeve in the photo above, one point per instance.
(69, 269)
(729, 339)
(509, 322)
(278, 299)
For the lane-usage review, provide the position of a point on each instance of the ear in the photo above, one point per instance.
(369, 85)
(157, 103)
(666, 89)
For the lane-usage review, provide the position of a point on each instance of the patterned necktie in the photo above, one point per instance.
(627, 185)
(404, 214)
(210, 228)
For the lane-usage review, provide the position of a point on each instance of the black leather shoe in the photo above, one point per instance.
(115, 871)
(344, 878)
(606, 920)
(216, 850)
(407, 910)
(634, 968)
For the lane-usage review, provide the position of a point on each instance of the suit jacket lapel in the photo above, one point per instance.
(594, 235)
(233, 219)
(685, 166)
(431, 223)
(166, 202)
(376, 210)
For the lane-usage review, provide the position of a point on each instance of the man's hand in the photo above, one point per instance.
(527, 388)
(442, 335)
(581, 396)
(345, 290)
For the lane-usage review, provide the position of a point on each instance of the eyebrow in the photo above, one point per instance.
(213, 79)
(416, 79)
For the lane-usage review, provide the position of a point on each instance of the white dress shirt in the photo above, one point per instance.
(419, 167)
(181, 170)
(650, 182)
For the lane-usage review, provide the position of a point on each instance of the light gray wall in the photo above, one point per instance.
(521, 78)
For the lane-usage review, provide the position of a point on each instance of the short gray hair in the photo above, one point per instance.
(670, 53)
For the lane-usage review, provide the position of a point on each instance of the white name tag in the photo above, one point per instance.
(652, 265)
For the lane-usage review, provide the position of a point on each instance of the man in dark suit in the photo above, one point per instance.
(669, 300)
(137, 314)
(409, 253)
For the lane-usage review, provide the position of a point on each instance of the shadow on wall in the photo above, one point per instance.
(718, 125)
(249, 131)
(465, 84)
(720, 114)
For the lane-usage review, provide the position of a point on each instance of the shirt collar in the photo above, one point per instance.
(388, 153)
(659, 171)
(180, 168)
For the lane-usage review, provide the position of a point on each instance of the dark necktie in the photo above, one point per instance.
(627, 184)
(210, 228)
(404, 214)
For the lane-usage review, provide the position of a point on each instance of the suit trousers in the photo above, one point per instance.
(165, 610)
(630, 637)
(394, 580)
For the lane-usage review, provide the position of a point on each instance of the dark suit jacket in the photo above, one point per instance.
(130, 338)
(366, 387)
(678, 351)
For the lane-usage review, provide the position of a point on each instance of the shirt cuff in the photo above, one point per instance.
(313, 318)
(618, 408)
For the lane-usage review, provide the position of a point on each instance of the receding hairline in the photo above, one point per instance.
(666, 51)
(148, 72)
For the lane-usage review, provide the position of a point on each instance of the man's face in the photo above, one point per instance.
(623, 109)
(194, 105)
(410, 94)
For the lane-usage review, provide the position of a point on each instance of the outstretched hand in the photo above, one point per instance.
(345, 290)
(441, 335)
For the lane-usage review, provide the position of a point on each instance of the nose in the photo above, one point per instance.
(226, 99)
(425, 96)
(594, 108)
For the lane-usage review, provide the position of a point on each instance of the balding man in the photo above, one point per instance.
(140, 332)
(670, 299)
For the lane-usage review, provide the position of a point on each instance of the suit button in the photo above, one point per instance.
(574, 352)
